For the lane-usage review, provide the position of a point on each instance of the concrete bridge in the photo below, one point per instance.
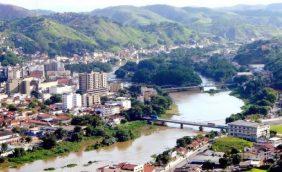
(198, 87)
(182, 123)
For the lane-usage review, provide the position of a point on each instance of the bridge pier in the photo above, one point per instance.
(181, 126)
(201, 128)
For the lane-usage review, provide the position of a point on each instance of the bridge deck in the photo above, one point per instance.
(190, 123)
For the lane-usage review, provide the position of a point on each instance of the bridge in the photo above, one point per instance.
(182, 123)
(172, 89)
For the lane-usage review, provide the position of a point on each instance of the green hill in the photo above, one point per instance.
(230, 25)
(72, 33)
(112, 35)
(40, 34)
(258, 51)
(8, 12)
(129, 15)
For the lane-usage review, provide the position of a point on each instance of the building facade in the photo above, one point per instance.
(71, 101)
(251, 131)
(90, 82)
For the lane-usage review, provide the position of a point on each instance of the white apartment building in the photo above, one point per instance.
(71, 101)
(251, 131)
(123, 102)
(108, 110)
(60, 90)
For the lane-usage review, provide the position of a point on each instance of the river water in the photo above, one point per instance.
(193, 106)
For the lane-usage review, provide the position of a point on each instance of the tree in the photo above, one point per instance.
(92, 120)
(28, 139)
(120, 73)
(207, 165)
(49, 141)
(12, 107)
(76, 137)
(236, 159)
(2, 159)
(164, 158)
(4, 147)
(180, 142)
(123, 135)
(234, 151)
(54, 99)
(77, 129)
(224, 162)
(60, 133)
(18, 152)
(273, 133)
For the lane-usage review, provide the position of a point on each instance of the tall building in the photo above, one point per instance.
(89, 100)
(13, 86)
(251, 131)
(54, 66)
(91, 82)
(71, 101)
(25, 87)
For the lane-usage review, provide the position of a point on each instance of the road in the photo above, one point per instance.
(189, 158)
(273, 121)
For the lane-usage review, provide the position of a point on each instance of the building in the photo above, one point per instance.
(126, 167)
(25, 87)
(60, 89)
(54, 66)
(108, 110)
(8, 137)
(13, 86)
(116, 86)
(275, 141)
(251, 131)
(91, 82)
(71, 101)
(88, 100)
(123, 102)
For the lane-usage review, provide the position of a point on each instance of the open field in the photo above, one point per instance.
(277, 128)
(225, 144)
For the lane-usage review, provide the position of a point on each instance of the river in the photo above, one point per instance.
(193, 106)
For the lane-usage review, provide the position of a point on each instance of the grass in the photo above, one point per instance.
(170, 112)
(225, 144)
(277, 128)
(257, 170)
(137, 127)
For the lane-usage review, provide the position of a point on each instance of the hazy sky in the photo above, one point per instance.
(88, 5)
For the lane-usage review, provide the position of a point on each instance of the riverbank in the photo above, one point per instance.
(63, 148)
(173, 110)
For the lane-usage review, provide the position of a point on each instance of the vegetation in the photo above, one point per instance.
(53, 99)
(216, 68)
(276, 128)
(225, 144)
(9, 58)
(161, 72)
(235, 25)
(259, 99)
(60, 148)
(275, 66)
(157, 106)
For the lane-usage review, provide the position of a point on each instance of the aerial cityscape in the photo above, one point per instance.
(140, 86)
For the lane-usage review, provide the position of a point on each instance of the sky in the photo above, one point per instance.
(89, 5)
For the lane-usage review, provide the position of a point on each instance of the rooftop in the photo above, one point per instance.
(245, 123)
